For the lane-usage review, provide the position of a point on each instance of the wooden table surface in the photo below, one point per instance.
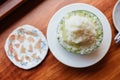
(38, 13)
(7, 6)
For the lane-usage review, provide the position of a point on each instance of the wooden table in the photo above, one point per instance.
(7, 6)
(38, 13)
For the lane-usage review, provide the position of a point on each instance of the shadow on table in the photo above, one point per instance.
(18, 13)
(2, 1)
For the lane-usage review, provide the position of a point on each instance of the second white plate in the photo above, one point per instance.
(77, 60)
(116, 15)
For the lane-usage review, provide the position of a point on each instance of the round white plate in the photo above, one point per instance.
(116, 15)
(77, 60)
(30, 56)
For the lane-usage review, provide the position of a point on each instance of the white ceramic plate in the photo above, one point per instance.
(26, 47)
(77, 60)
(116, 15)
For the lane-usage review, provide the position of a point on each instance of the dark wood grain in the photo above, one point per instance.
(7, 6)
(38, 13)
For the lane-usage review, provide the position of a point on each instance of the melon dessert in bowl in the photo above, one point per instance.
(80, 32)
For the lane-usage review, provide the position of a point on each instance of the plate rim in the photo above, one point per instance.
(102, 23)
(113, 15)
